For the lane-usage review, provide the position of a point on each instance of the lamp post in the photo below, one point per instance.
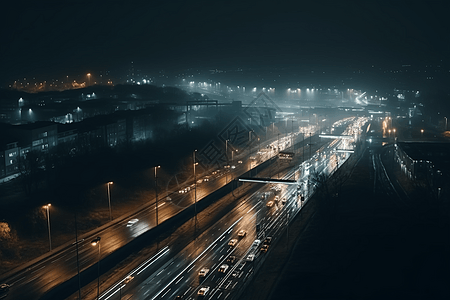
(228, 163)
(96, 242)
(89, 78)
(109, 200)
(156, 194)
(303, 143)
(310, 145)
(47, 207)
(421, 132)
(278, 142)
(445, 123)
(195, 182)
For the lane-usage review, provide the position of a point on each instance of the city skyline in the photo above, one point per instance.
(52, 40)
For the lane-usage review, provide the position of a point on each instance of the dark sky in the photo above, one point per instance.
(52, 38)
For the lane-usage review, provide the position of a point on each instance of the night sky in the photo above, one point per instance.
(53, 38)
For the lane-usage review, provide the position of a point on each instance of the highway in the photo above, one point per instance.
(178, 275)
(61, 265)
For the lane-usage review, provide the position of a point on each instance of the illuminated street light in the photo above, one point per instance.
(421, 132)
(89, 78)
(47, 207)
(156, 193)
(109, 200)
(195, 182)
(96, 242)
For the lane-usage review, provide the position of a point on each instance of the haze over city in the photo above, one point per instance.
(224, 150)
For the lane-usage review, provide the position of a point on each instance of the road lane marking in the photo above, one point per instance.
(197, 258)
(35, 277)
(17, 280)
(38, 269)
(156, 257)
(191, 268)
(165, 293)
(187, 290)
(179, 280)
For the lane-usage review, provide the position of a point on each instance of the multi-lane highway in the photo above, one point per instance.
(230, 259)
(63, 263)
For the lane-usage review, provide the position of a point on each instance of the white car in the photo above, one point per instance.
(203, 272)
(250, 257)
(132, 222)
(203, 291)
(223, 268)
(242, 233)
(239, 161)
(256, 243)
(232, 242)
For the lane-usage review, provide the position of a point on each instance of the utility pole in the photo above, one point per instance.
(195, 192)
(156, 194)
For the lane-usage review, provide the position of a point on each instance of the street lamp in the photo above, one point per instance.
(89, 78)
(109, 200)
(226, 150)
(96, 242)
(48, 224)
(421, 132)
(232, 156)
(310, 145)
(195, 182)
(156, 193)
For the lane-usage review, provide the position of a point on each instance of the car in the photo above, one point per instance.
(203, 272)
(283, 200)
(223, 268)
(179, 297)
(128, 279)
(132, 222)
(233, 167)
(277, 198)
(256, 243)
(264, 248)
(203, 291)
(242, 233)
(268, 240)
(231, 259)
(232, 242)
(239, 161)
(250, 257)
(4, 289)
(269, 204)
